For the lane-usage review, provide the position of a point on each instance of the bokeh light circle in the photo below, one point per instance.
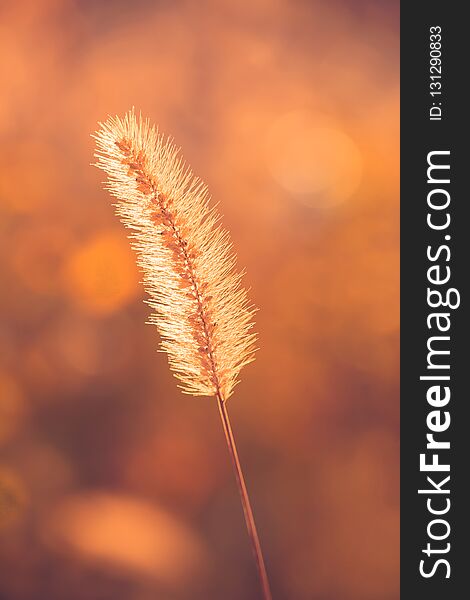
(313, 158)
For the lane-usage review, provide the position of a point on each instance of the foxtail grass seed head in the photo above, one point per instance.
(200, 307)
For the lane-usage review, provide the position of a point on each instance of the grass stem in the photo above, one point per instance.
(247, 510)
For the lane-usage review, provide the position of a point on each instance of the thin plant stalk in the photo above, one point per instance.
(245, 499)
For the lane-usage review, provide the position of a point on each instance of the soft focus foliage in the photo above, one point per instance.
(289, 109)
(128, 534)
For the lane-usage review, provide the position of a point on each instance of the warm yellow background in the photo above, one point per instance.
(113, 485)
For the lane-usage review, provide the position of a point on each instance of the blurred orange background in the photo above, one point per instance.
(113, 485)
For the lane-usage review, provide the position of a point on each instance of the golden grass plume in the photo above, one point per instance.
(201, 309)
